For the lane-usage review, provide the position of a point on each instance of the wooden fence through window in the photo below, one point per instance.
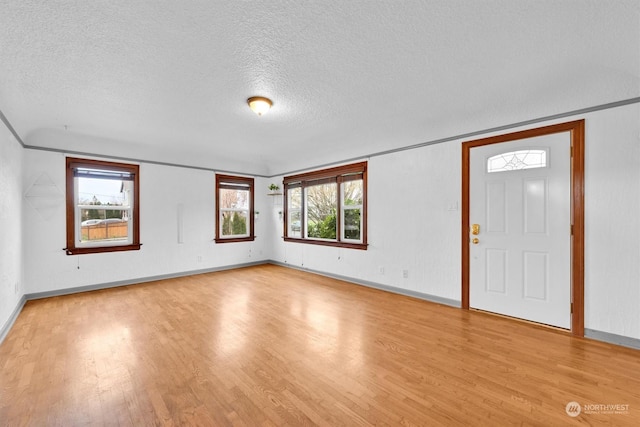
(105, 231)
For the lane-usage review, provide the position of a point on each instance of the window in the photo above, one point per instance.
(517, 160)
(327, 207)
(234, 206)
(102, 206)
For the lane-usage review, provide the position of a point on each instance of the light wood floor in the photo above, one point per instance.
(267, 345)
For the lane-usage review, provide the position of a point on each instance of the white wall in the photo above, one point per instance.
(612, 212)
(426, 182)
(413, 224)
(162, 190)
(11, 280)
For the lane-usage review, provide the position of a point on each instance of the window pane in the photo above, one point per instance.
(93, 191)
(107, 221)
(295, 223)
(517, 160)
(234, 199)
(352, 193)
(232, 209)
(294, 202)
(234, 223)
(352, 223)
(294, 197)
(322, 205)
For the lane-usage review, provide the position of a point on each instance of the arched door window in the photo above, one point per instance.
(517, 160)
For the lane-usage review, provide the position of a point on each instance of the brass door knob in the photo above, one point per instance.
(475, 241)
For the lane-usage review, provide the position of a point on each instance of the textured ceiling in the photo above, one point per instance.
(168, 81)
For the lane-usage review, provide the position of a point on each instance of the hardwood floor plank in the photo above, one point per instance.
(271, 346)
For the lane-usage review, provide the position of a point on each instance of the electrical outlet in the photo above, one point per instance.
(405, 274)
(17, 287)
(199, 258)
(381, 270)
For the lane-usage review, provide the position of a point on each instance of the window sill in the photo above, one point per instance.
(360, 246)
(237, 239)
(102, 249)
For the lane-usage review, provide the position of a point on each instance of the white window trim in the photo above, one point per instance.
(99, 243)
(245, 211)
(343, 226)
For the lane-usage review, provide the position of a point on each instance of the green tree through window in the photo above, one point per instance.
(327, 206)
(234, 206)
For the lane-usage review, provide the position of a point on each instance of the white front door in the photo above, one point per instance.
(520, 258)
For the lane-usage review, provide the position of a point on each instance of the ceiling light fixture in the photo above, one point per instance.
(259, 104)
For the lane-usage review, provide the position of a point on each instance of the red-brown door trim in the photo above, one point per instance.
(576, 131)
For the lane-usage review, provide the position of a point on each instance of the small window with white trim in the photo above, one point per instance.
(352, 193)
(517, 160)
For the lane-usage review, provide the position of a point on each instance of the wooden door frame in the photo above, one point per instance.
(576, 131)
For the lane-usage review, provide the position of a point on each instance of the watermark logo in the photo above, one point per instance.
(573, 409)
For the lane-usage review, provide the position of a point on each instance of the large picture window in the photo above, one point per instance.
(234, 206)
(102, 206)
(327, 207)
